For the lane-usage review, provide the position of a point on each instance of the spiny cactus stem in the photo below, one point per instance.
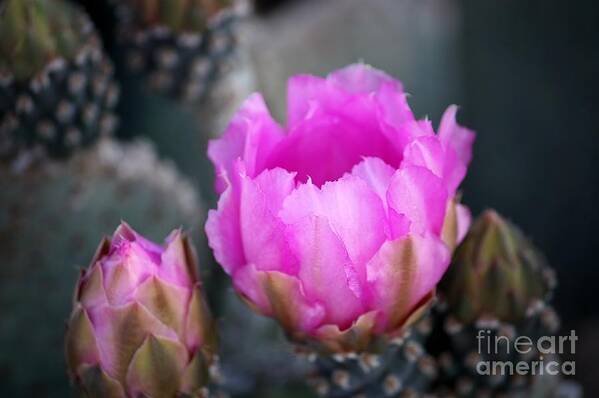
(373, 367)
(401, 368)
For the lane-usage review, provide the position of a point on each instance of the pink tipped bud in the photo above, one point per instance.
(140, 325)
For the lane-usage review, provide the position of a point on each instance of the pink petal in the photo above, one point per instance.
(402, 273)
(326, 271)
(355, 214)
(91, 290)
(355, 112)
(247, 282)
(245, 229)
(289, 303)
(421, 196)
(279, 295)
(399, 225)
(250, 136)
(223, 227)
(174, 267)
(455, 136)
(377, 174)
(327, 147)
(305, 93)
(362, 79)
(396, 119)
(427, 151)
(464, 220)
(262, 230)
(125, 238)
(125, 269)
(124, 232)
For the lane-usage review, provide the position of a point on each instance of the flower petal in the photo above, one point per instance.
(342, 142)
(343, 118)
(362, 79)
(178, 263)
(377, 174)
(262, 231)
(119, 333)
(456, 224)
(402, 273)
(156, 368)
(455, 136)
(195, 376)
(289, 304)
(91, 291)
(281, 296)
(356, 338)
(306, 93)
(396, 119)
(167, 302)
(354, 212)
(251, 136)
(223, 229)
(200, 327)
(124, 271)
(80, 342)
(303, 92)
(247, 282)
(131, 260)
(464, 218)
(421, 196)
(326, 271)
(98, 384)
(125, 235)
(428, 151)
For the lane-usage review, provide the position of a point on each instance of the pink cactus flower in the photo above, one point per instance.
(140, 325)
(345, 220)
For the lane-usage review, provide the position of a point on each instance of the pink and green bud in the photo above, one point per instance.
(140, 325)
(496, 273)
(341, 224)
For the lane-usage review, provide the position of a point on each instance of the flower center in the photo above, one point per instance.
(326, 150)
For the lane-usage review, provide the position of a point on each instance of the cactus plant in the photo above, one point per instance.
(56, 84)
(180, 47)
(399, 367)
(212, 76)
(497, 289)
